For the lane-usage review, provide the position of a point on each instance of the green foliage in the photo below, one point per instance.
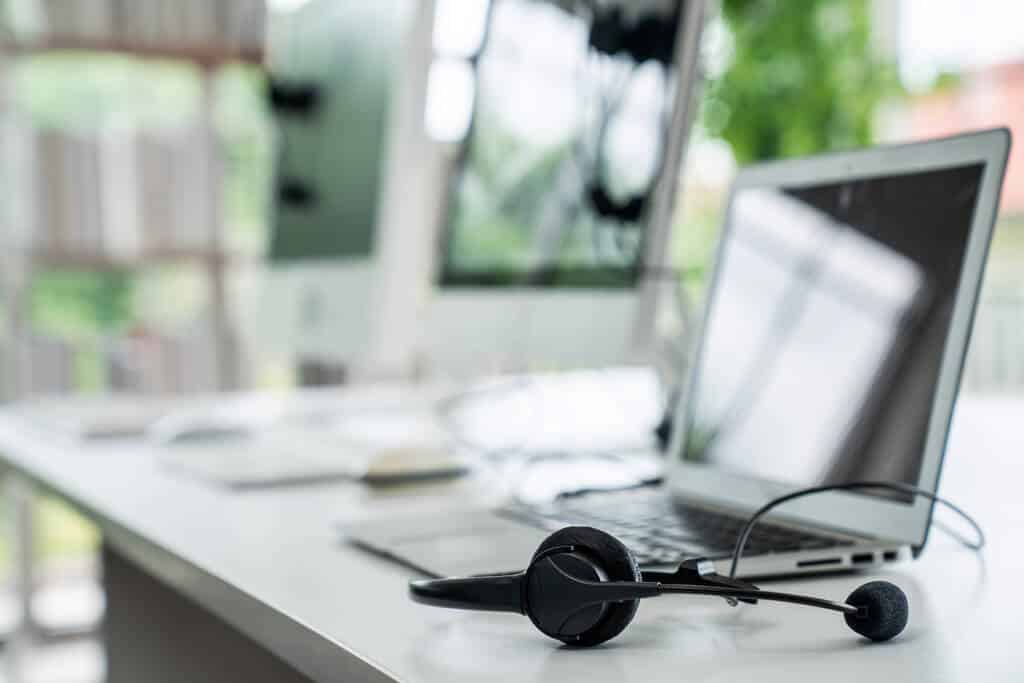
(61, 532)
(946, 81)
(87, 91)
(81, 305)
(803, 77)
(496, 207)
(787, 78)
(246, 129)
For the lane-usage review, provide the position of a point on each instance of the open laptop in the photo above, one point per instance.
(833, 341)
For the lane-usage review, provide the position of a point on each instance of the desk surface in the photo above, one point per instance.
(269, 563)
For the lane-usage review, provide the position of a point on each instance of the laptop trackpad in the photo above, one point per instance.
(489, 544)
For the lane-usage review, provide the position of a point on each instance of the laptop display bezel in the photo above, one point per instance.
(869, 516)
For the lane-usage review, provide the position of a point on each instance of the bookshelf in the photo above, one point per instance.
(208, 34)
(205, 57)
(162, 35)
(101, 260)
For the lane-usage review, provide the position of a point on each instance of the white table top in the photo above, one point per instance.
(269, 563)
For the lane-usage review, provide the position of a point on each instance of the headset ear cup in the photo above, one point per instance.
(618, 564)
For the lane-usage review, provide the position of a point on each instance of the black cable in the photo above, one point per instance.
(899, 487)
(757, 594)
(447, 409)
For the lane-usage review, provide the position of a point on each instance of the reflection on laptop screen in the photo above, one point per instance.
(826, 326)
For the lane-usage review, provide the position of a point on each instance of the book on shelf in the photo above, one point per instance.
(22, 18)
(88, 20)
(217, 27)
(176, 188)
(156, 202)
(17, 161)
(114, 194)
(87, 182)
(54, 205)
(122, 225)
(249, 17)
(68, 193)
(47, 365)
(147, 361)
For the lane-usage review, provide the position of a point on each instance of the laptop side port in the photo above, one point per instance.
(891, 555)
(863, 558)
(819, 563)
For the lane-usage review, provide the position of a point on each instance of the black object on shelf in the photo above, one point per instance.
(293, 98)
(652, 37)
(296, 193)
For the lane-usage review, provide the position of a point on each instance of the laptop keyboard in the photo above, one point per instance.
(659, 530)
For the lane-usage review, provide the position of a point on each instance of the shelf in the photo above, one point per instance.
(203, 56)
(59, 258)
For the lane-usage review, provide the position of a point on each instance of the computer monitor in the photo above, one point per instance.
(560, 193)
(332, 68)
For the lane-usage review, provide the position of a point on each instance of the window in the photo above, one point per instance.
(791, 79)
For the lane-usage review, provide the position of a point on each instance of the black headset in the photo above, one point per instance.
(583, 587)
(651, 38)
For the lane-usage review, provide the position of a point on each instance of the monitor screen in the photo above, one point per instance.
(826, 325)
(556, 175)
(330, 152)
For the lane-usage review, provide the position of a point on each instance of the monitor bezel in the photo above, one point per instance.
(870, 516)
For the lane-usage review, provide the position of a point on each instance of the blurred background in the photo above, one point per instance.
(138, 148)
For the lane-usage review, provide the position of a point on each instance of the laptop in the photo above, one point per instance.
(834, 334)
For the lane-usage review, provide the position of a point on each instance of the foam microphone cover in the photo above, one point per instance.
(886, 607)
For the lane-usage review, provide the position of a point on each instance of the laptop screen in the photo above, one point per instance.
(826, 326)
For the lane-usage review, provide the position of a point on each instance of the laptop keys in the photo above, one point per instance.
(658, 531)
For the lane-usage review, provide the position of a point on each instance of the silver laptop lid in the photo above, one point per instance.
(836, 327)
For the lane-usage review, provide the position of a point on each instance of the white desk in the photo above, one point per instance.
(267, 565)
